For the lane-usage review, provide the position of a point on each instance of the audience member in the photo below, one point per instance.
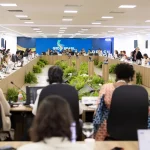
(146, 58)
(51, 126)
(124, 74)
(116, 55)
(137, 56)
(55, 75)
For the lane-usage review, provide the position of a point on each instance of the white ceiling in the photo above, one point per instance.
(47, 15)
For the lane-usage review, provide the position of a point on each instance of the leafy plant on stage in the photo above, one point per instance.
(95, 62)
(37, 69)
(12, 95)
(83, 68)
(44, 61)
(41, 64)
(30, 78)
(100, 64)
(73, 63)
(69, 70)
(112, 68)
(62, 64)
(138, 78)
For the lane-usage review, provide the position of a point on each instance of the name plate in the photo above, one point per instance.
(144, 139)
(89, 100)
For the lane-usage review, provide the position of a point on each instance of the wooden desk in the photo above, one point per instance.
(98, 145)
(21, 109)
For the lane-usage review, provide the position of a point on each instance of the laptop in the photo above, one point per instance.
(144, 139)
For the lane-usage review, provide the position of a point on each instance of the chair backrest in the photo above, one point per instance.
(128, 112)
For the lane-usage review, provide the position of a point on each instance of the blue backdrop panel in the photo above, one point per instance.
(26, 42)
(60, 44)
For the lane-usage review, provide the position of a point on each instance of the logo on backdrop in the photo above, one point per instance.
(61, 46)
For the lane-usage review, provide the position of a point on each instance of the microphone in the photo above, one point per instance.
(17, 87)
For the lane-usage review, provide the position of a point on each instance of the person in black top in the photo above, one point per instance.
(136, 55)
(57, 87)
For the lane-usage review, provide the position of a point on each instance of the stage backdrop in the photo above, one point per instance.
(59, 44)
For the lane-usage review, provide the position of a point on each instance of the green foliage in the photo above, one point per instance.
(41, 64)
(83, 68)
(138, 78)
(73, 63)
(95, 62)
(37, 69)
(44, 61)
(12, 95)
(62, 64)
(30, 78)
(97, 80)
(78, 82)
(112, 68)
(100, 64)
(68, 70)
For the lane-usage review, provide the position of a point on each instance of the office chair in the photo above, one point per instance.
(128, 113)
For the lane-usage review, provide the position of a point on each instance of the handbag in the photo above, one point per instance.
(100, 115)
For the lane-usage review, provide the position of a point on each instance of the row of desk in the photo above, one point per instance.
(144, 70)
(98, 145)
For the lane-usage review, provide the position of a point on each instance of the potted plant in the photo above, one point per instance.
(30, 78)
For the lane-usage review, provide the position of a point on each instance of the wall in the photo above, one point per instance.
(127, 43)
(11, 42)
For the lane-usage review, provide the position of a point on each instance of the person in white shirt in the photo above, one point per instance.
(51, 127)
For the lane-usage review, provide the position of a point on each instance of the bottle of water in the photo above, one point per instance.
(73, 132)
(20, 97)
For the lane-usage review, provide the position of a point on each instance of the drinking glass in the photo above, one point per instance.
(88, 129)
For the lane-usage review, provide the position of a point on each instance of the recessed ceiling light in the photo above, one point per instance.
(96, 23)
(8, 5)
(36, 29)
(63, 28)
(61, 32)
(80, 31)
(107, 17)
(39, 31)
(84, 29)
(127, 6)
(147, 21)
(120, 28)
(29, 22)
(110, 31)
(67, 19)
(71, 11)
(21, 16)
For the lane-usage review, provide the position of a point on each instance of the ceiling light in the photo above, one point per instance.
(110, 31)
(36, 29)
(80, 31)
(71, 11)
(67, 19)
(107, 17)
(59, 35)
(147, 21)
(120, 28)
(63, 28)
(39, 31)
(21, 16)
(77, 33)
(127, 6)
(96, 23)
(61, 32)
(29, 22)
(8, 5)
(84, 29)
